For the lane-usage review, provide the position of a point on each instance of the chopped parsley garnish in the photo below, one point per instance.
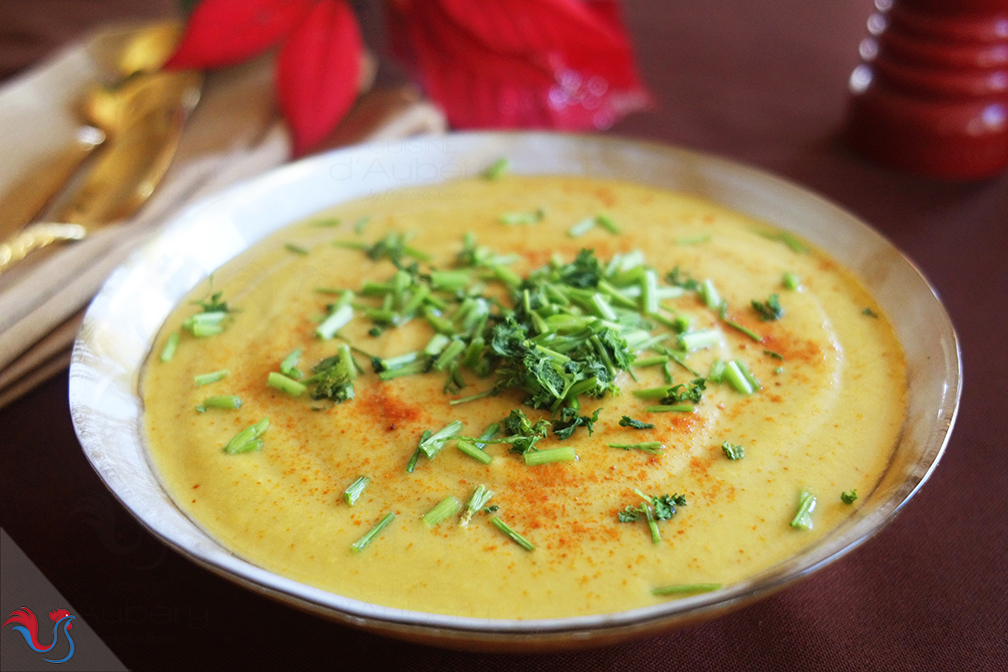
(848, 497)
(769, 309)
(664, 509)
(806, 505)
(681, 393)
(524, 435)
(733, 450)
(334, 377)
(627, 421)
(569, 420)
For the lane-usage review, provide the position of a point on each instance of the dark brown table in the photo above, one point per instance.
(763, 83)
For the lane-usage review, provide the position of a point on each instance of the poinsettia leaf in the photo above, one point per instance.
(563, 64)
(318, 72)
(224, 32)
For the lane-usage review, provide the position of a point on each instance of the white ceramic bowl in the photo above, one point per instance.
(124, 318)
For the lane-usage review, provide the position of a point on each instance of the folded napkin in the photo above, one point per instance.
(234, 133)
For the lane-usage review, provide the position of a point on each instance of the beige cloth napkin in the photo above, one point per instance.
(234, 133)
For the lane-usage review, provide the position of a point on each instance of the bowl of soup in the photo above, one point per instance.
(515, 390)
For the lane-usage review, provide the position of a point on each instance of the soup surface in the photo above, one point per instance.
(602, 530)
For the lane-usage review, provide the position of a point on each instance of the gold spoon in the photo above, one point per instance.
(124, 178)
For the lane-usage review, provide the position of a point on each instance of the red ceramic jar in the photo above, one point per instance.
(931, 96)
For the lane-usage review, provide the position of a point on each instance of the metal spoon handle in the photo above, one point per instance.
(35, 237)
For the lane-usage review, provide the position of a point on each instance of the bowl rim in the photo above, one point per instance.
(87, 391)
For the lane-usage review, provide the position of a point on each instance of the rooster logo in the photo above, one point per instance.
(28, 627)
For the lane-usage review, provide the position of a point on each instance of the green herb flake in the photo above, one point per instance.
(296, 249)
(870, 313)
(769, 309)
(733, 450)
(848, 497)
(171, 344)
(806, 505)
(496, 169)
(627, 421)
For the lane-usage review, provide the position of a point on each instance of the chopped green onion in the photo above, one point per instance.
(169, 348)
(436, 344)
(407, 370)
(606, 222)
(433, 444)
(496, 169)
(355, 489)
(228, 402)
(471, 397)
(359, 545)
(454, 349)
(652, 393)
(247, 439)
(806, 505)
(745, 330)
(472, 451)
(733, 450)
(697, 340)
(686, 588)
(285, 384)
(338, 319)
(289, 364)
(515, 537)
(477, 500)
(295, 248)
(651, 361)
(775, 355)
(671, 408)
(733, 374)
(537, 457)
(650, 291)
(207, 378)
(582, 227)
(791, 281)
(448, 506)
(710, 295)
(748, 375)
(653, 447)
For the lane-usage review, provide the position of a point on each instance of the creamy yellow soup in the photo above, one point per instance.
(825, 419)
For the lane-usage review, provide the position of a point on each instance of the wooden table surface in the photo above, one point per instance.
(764, 83)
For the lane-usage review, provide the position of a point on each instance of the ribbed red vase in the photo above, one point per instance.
(931, 95)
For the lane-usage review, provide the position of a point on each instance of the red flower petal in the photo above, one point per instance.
(318, 72)
(224, 32)
(521, 63)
